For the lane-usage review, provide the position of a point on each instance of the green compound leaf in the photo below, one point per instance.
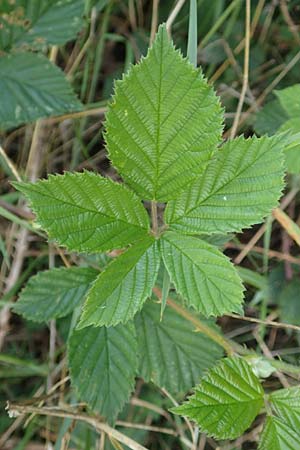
(277, 435)
(290, 100)
(120, 291)
(202, 275)
(103, 364)
(86, 212)
(163, 123)
(226, 401)
(172, 355)
(286, 404)
(37, 23)
(240, 186)
(31, 87)
(54, 293)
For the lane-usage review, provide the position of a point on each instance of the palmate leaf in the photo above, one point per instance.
(240, 186)
(286, 404)
(277, 435)
(172, 355)
(121, 289)
(226, 401)
(31, 87)
(39, 22)
(54, 293)
(202, 275)
(103, 364)
(86, 212)
(163, 123)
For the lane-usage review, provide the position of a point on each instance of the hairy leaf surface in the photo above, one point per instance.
(202, 275)
(32, 87)
(172, 355)
(286, 404)
(240, 186)
(226, 401)
(37, 23)
(163, 123)
(103, 363)
(54, 293)
(86, 212)
(121, 289)
(277, 435)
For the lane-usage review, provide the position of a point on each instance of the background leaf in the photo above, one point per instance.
(103, 363)
(270, 118)
(172, 354)
(32, 87)
(290, 99)
(86, 212)
(292, 153)
(39, 22)
(240, 186)
(277, 435)
(152, 126)
(202, 275)
(121, 289)
(289, 302)
(286, 404)
(226, 401)
(54, 293)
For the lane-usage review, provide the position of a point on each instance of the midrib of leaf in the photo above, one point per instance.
(177, 346)
(180, 129)
(91, 351)
(276, 436)
(198, 265)
(214, 192)
(178, 361)
(238, 380)
(133, 284)
(113, 218)
(157, 146)
(107, 364)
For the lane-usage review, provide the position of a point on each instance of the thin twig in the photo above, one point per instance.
(10, 164)
(174, 14)
(268, 90)
(245, 72)
(86, 45)
(154, 21)
(142, 426)
(77, 115)
(154, 218)
(288, 224)
(266, 351)
(285, 202)
(271, 253)
(268, 323)
(15, 410)
(241, 45)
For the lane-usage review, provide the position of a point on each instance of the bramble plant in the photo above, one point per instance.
(164, 136)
